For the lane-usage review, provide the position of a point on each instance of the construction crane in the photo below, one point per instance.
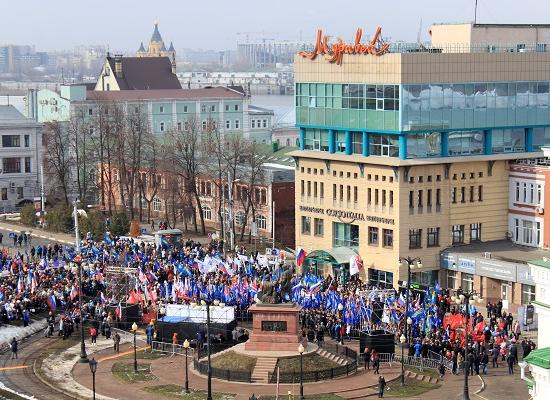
(248, 34)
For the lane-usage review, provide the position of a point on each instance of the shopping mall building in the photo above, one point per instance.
(405, 150)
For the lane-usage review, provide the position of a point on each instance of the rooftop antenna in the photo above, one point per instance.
(475, 13)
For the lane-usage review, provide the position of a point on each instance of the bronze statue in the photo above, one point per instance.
(269, 294)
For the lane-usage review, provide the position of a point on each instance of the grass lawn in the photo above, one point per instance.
(427, 371)
(328, 396)
(412, 387)
(234, 361)
(312, 362)
(149, 355)
(125, 372)
(176, 391)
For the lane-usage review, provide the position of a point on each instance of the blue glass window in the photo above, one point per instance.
(424, 145)
(465, 143)
(508, 140)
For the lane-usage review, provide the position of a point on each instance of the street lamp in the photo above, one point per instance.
(410, 263)
(208, 303)
(186, 347)
(467, 298)
(301, 351)
(83, 356)
(93, 369)
(134, 330)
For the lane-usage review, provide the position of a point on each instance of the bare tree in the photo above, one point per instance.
(150, 179)
(58, 161)
(79, 135)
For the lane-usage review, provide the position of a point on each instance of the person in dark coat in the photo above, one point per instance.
(14, 348)
(510, 361)
(381, 386)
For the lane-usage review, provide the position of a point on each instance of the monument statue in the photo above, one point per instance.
(269, 294)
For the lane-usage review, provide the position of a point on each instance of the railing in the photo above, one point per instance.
(226, 374)
(417, 362)
(339, 350)
(170, 348)
(314, 376)
(432, 355)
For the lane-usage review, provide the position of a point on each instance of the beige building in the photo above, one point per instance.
(406, 153)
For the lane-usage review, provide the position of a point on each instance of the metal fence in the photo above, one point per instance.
(226, 374)
(417, 362)
(314, 376)
(165, 347)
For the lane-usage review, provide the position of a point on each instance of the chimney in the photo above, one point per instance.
(118, 65)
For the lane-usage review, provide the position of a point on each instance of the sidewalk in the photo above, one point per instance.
(37, 233)
(171, 370)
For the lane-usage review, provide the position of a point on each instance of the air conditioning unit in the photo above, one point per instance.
(539, 210)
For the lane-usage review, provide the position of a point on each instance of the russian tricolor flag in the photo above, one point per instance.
(300, 256)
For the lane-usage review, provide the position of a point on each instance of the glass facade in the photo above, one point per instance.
(345, 234)
(437, 120)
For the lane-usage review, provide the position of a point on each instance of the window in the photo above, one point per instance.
(391, 198)
(524, 192)
(471, 194)
(463, 194)
(212, 108)
(20, 192)
(527, 228)
(437, 197)
(420, 195)
(136, 110)
(261, 221)
(27, 165)
(162, 126)
(91, 130)
(90, 111)
(264, 123)
(318, 227)
(467, 282)
(508, 140)
(429, 198)
(4, 193)
(240, 218)
(373, 236)
(480, 193)
(465, 142)
(204, 125)
(11, 141)
(387, 238)
(11, 165)
(236, 107)
(517, 191)
(451, 279)
(186, 126)
(415, 238)
(411, 199)
(433, 237)
(156, 204)
(207, 213)
(527, 294)
(108, 86)
(253, 123)
(161, 109)
(27, 141)
(453, 195)
(384, 145)
(306, 225)
(321, 191)
(516, 230)
(237, 122)
(227, 107)
(380, 279)
(227, 124)
(179, 126)
(537, 232)
(475, 232)
(185, 109)
(458, 234)
(203, 108)
(539, 194)
(531, 193)
(345, 234)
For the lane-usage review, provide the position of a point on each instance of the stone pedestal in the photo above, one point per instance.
(275, 327)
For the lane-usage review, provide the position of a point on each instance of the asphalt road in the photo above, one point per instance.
(37, 237)
(19, 375)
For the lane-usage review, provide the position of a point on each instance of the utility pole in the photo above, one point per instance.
(475, 13)
(42, 199)
(230, 227)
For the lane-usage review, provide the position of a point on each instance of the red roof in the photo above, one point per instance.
(166, 94)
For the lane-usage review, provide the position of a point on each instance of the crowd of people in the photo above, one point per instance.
(45, 279)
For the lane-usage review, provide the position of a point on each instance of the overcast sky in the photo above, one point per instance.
(214, 24)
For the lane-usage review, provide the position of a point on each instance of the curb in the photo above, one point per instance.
(482, 385)
(48, 384)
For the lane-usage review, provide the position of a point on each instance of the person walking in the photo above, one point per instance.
(116, 339)
(510, 361)
(376, 365)
(484, 361)
(494, 356)
(13, 347)
(381, 386)
(1, 237)
(367, 355)
(149, 331)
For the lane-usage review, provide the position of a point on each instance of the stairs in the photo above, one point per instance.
(264, 366)
(420, 377)
(332, 357)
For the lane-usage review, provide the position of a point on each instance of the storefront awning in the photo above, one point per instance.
(334, 256)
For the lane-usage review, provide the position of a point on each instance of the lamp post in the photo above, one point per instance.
(134, 330)
(186, 347)
(208, 303)
(301, 351)
(410, 263)
(83, 356)
(93, 369)
(467, 298)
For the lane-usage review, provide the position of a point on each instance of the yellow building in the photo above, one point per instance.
(157, 48)
(404, 151)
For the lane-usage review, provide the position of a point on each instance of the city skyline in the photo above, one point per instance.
(53, 30)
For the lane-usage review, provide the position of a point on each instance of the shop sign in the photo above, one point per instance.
(334, 52)
(497, 269)
(348, 215)
(448, 261)
(524, 274)
(467, 265)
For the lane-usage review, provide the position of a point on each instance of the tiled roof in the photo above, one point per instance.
(539, 357)
(140, 73)
(165, 94)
